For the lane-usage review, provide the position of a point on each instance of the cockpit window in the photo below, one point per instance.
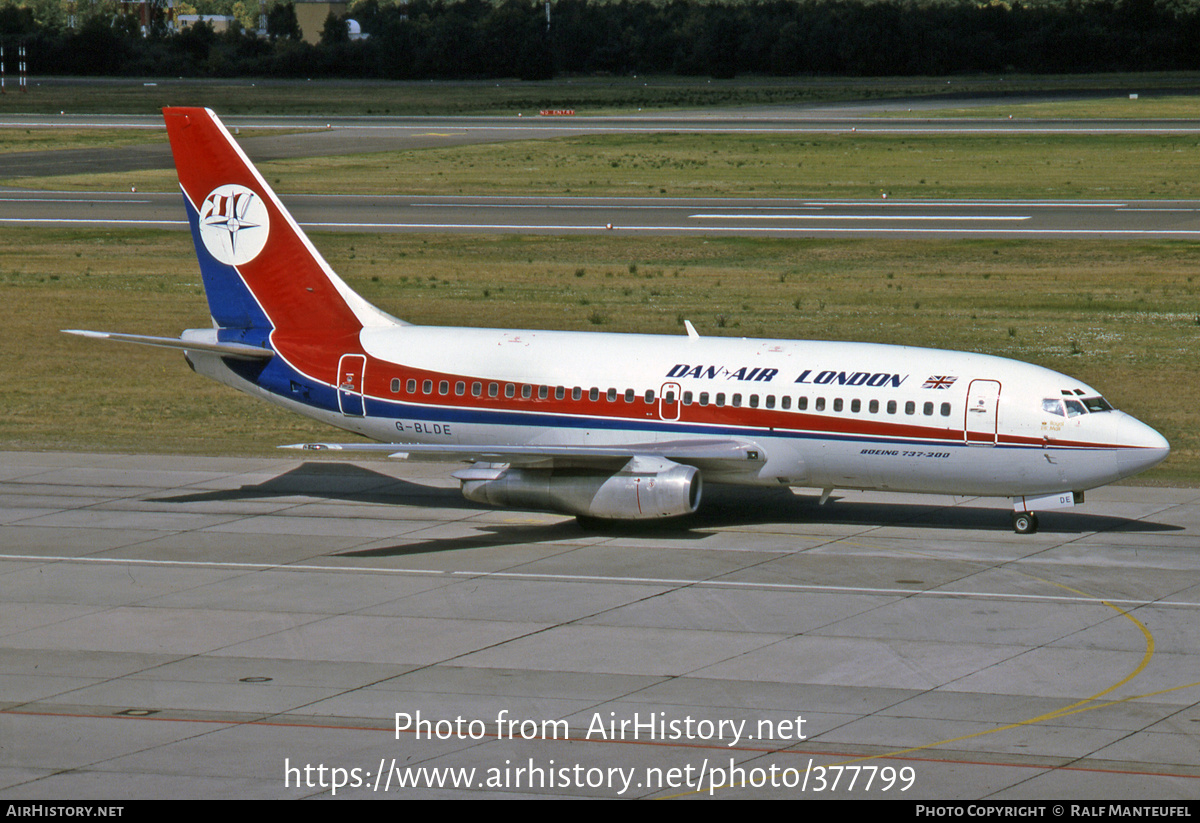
(1072, 407)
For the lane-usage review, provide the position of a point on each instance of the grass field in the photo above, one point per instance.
(1121, 316)
(732, 165)
(39, 139)
(1165, 107)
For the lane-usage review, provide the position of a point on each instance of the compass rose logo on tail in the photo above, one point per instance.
(234, 224)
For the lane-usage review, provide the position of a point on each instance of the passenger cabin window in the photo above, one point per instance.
(460, 388)
(395, 385)
(820, 404)
(927, 409)
(873, 407)
(945, 410)
(427, 387)
(629, 395)
(526, 392)
(576, 393)
(910, 407)
(593, 394)
(801, 403)
(411, 387)
(891, 407)
(837, 404)
(476, 389)
(855, 406)
(444, 387)
(687, 398)
(785, 403)
(703, 398)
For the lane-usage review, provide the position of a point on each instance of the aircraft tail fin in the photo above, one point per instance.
(261, 273)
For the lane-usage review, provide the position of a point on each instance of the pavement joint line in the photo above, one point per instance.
(864, 590)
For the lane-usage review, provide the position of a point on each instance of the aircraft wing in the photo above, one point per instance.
(724, 455)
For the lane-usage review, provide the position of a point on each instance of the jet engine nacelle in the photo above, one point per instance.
(644, 489)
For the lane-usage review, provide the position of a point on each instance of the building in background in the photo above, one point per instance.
(219, 22)
(312, 14)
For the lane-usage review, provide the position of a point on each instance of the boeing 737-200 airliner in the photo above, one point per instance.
(619, 426)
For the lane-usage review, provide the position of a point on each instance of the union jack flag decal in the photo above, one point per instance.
(939, 381)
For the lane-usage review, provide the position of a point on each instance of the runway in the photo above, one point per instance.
(220, 627)
(279, 137)
(775, 217)
(870, 117)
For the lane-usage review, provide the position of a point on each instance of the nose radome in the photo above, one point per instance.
(1142, 447)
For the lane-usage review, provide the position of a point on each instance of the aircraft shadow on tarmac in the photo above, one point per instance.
(728, 506)
(336, 481)
(724, 506)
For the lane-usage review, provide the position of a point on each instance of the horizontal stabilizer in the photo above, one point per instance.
(240, 351)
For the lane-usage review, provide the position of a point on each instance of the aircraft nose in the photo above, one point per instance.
(1142, 446)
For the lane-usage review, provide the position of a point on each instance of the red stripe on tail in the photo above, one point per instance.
(297, 290)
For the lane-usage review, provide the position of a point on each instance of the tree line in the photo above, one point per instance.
(427, 39)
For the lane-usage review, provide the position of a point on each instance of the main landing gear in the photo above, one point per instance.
(1024, 522)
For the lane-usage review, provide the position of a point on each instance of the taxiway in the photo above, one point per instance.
(775, 217)
(208, 627)
(278, 137)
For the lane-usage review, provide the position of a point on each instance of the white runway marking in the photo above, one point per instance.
(852, 217)
(35, 199)
(535, 227)
(530, 227)
(110, 221)
(590, 126)
(1013, 204)
(1132, 208)
(583, 206)
(587, 578)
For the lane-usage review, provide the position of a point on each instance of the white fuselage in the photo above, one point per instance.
(826, 414)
